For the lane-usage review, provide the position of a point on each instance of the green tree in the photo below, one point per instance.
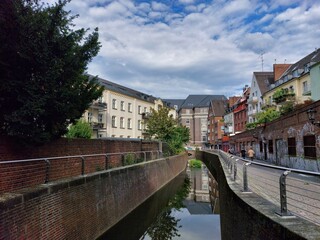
(42, 64)
(81, 129)
(162, 126)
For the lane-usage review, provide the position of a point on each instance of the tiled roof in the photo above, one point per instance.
(219, 107)
(193, 101)
(125, 91)
(264, 79)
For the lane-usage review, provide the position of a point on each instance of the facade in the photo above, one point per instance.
(216, 123)
(193, 113)
(121, 112)
(290, 141)
(259, 85)
(240, 111)
(294, 84)
(315, 80)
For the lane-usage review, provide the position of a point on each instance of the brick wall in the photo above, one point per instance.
(295, 125)
(10, 149)
(23, 174)
(83, 207)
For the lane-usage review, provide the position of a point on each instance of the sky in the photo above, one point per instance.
(174, 48)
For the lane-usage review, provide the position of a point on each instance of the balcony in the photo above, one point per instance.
(96, 125)
(253, 112)
(283, 95)
(101, 106)
(253, 100)
(145, 115)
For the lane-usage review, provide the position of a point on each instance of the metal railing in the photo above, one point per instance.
(296, 192)
(19, 174)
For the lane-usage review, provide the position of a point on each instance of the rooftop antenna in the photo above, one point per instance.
(285, 60)
(275, 61)
(261, 56)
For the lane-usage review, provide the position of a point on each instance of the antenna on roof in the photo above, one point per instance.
(261, 56)
(285, 60)
(275, 61)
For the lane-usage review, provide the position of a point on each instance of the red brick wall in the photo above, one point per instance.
(23, 174)
(83, 207)
(11, 150)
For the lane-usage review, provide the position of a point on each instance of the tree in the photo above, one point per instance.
(162, 126)
(268, 115)
(42, 64)
(81, 129)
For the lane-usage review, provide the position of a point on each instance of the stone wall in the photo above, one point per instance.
(249, 216)
(293, 125)
(83, 207)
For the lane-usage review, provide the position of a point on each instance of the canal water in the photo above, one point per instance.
(186, 209)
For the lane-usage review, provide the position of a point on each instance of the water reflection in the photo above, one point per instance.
(191, 216)
(181, 210)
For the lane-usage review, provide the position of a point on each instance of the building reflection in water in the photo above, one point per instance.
(204, 189)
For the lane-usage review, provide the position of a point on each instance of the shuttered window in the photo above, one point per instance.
(270, 146)
(309, 143)
(292, 147)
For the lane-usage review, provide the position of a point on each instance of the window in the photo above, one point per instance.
(121, 122)
(204, 138)
(114, 103)
(128, 137)
(121, 136)
(139, 109)
(122, 105)
(261, 146)
(270, 146)
(305, 87)
(309, 143)
(129, 107)
(145, 109)
(129, 123)
(100, 116)
(113, 136)
(114, 121)
(139, 124)
(187, 121)
(292, 147)
(89, 117)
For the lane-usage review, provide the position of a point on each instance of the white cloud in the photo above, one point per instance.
(206, 49)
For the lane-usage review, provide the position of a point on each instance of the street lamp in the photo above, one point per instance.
(311, 116)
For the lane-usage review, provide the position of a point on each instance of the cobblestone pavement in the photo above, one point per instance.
(303, 191)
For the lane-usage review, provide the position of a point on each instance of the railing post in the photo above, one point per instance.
(47, 170)
(235, 169)
(245, 178)
(106, 164)
(144, 156)
(82, 165)
(283, 195)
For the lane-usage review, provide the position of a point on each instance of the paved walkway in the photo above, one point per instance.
(303, 191)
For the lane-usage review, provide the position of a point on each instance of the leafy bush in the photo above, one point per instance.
(194, 163)
(81, 129)
(129, 159)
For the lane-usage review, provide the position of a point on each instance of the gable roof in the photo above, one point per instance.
(303, 64)
(124, 90)
(198, 101)
(264, 79)
(218, 107)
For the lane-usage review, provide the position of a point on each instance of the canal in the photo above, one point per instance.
(187, 208)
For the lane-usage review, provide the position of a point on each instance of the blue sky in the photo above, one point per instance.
(173, 48)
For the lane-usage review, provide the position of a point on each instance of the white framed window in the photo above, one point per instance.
(100, 117)
(114, 121)
(90, 117)
(122, 122)
(114, 103)
(129, 123)
(122, 105)
(139, 109)
(305, 87)
(139, 125)
(145, 109)
(129, 107)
